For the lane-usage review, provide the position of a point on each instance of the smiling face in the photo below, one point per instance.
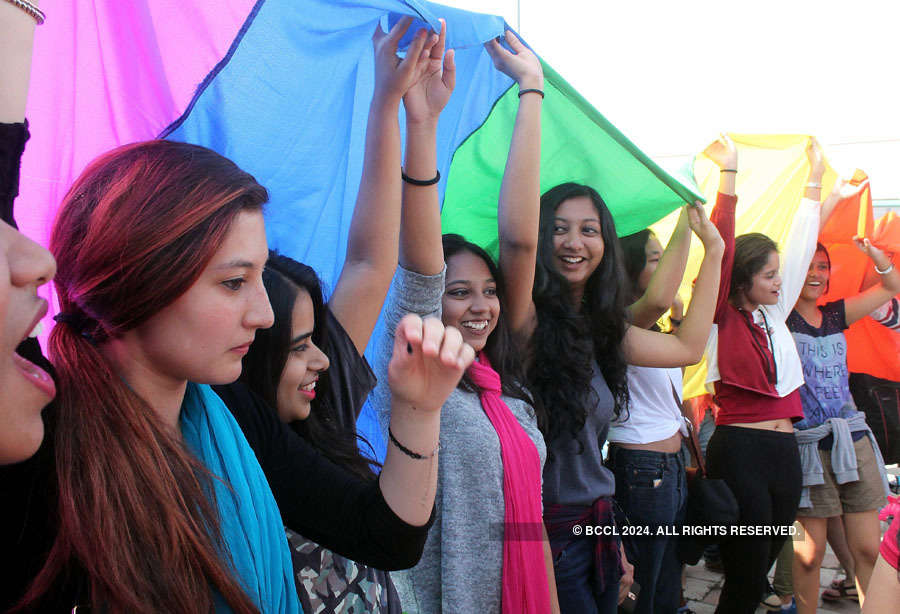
(470, 301)
(305, 361)
(816, 277)
(577, 241)
(203, 335)
(766, 284)
(653, 251)
(26, 389)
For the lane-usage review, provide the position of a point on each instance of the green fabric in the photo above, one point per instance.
(577, 144)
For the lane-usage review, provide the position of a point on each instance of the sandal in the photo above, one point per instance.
(772, 602)
(840, 589)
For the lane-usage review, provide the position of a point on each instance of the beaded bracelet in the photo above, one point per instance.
(411, 181)
(409, 452)
(531, 90)
(32, 11)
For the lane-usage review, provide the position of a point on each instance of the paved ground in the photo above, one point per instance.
(703, 586)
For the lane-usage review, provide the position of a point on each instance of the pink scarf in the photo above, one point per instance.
(525, 589)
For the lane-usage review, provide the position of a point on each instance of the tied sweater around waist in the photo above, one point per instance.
(843, 455)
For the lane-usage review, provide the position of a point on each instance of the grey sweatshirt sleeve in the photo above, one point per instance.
(410, 293)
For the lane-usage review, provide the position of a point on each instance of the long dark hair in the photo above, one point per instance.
(133, 234)
(500, 348)
(264, 364)
(569, 337)
(634, 253)
(751, 252)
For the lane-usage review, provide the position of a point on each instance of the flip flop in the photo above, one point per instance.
(840, 590)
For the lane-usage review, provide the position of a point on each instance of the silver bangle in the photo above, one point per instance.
(32, 11)
(886, 271)
(816, 186)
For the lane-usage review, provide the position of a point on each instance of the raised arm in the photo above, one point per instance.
(372, 243)
(420, 228)
(724, 153)
(859, 306)
(664, 282)
(684, 347)
(518, 212)
(16, 42)
(800, 244)
(840, 191)
(427, 363)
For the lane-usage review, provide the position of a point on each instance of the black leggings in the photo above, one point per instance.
(762, 468)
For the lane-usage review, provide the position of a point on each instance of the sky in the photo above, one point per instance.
(672, 75)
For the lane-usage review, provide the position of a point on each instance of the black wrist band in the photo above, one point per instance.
(411, 181)
(409, 452)
(727, 170)
(531, 90)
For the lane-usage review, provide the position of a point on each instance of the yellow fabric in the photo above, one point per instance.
(773, 174)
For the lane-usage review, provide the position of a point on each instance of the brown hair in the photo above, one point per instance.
(135, 508)
(751, 251)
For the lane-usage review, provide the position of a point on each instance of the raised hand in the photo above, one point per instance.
(522, 65)
(393, 76)
(705, 230)
(881, 260)
(723, 152)
(427, 363)
(843, 189)
(816, 158)
(428, 96)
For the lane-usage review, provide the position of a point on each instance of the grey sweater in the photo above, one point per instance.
(843, 454)
(461, 567)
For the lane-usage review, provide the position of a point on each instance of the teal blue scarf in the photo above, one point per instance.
(250, 523)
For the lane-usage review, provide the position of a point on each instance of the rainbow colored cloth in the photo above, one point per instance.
(282, 87)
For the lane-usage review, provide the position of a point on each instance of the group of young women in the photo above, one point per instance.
(199, 449)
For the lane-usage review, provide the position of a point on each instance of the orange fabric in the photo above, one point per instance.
(872, 348)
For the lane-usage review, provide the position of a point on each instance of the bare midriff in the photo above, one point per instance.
(780, 424)
(669, 445)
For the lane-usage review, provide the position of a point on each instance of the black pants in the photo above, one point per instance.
(762, 468)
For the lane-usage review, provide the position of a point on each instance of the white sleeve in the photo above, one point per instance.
(797, 253)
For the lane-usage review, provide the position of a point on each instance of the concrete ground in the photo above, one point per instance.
(703, 586)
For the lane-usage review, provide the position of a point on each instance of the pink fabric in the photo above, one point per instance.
(525, 588)
(110, 72)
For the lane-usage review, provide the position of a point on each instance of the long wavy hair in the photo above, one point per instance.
(135, 508)
(500, 347)
(569, 337)
(264, 364)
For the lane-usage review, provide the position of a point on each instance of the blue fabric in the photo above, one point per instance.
(249, 519)
(290, 106)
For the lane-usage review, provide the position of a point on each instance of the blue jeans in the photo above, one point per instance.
(651, 491)
(574, 570)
